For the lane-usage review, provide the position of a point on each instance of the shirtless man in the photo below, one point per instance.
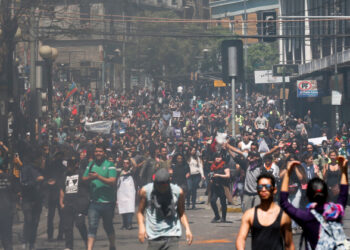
(266, 235)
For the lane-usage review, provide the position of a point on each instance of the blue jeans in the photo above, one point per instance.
(97, 210)
(192, 184)
(127, 220)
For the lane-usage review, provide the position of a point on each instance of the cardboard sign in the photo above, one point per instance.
(176, 114)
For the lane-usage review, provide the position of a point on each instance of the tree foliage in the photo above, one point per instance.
(261, 56)
(171, 58)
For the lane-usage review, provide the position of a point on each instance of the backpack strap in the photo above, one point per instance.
(321, 220)
(91, 165)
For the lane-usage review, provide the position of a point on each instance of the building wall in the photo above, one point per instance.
(233, 10)
(174, 4)
(229, 8)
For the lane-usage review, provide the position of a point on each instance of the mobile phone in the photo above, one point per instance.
(16, 155)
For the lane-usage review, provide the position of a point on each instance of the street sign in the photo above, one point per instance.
(307, 88)
(336, 97)
(265, 76)
(219, 83)
(288, 69)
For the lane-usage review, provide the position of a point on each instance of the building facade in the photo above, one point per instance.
(319, 45)
(234, 11)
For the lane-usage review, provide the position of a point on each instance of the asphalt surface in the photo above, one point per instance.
(207, 235)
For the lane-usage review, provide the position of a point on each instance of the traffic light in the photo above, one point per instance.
(44, 103)
(232, 60)
(269, 26)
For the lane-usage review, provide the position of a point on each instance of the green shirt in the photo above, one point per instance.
(100, 191)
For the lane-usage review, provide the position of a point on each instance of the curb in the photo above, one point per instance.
(234, 210)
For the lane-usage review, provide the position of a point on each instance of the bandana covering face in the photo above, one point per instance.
(331, 211)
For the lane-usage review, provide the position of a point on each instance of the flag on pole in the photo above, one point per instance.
(73, 88)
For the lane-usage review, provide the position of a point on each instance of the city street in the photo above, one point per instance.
(207, 235)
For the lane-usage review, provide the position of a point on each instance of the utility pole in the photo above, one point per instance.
(124, 37)
(337, 118)
(35, 102)
(32, 46)
(245, 51)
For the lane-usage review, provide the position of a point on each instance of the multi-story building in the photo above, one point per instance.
(233, 11)
(171, 4)
(90, 34)
(317, 44)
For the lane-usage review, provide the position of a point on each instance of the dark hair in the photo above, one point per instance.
(292, 157)
(267, 175)
(307, 156)
(317, 191)
(100, 145)
(268, 157)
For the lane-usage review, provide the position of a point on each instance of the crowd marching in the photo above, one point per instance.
(104, 151)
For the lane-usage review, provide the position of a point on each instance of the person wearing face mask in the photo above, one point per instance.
(102, 176)
(74, 202)
(254, 169)
(54, 171)
(7, 206)
(219, 177)
(126, 194)
(161, 209)
(180, 172)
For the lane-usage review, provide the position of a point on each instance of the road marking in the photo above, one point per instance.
(212, 241)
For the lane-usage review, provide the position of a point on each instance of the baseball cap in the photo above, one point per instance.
(162, 175)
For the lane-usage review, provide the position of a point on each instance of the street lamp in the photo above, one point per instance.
(49, 55)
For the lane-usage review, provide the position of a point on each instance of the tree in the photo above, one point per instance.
(11, 14)
(172, 59)
(261, 56)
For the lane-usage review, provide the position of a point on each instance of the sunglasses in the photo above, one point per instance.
(267, 186)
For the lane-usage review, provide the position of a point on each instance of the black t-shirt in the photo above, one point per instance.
(179, 174)
(29, 186)
(220, 180)
(76, 191)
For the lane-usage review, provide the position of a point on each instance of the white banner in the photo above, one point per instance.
(103, 127)
(265, 76)
(318, 140)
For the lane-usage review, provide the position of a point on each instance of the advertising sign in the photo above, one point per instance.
(265, 76)
(219, 83)
(307, 88)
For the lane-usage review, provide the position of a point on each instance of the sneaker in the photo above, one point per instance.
(215, 220)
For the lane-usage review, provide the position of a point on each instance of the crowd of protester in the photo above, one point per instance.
(171, 129)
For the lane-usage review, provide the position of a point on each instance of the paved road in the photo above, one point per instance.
(207, 235)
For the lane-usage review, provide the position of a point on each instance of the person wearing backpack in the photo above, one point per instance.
(321, 220)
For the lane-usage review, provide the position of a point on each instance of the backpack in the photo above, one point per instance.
(331, 234)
